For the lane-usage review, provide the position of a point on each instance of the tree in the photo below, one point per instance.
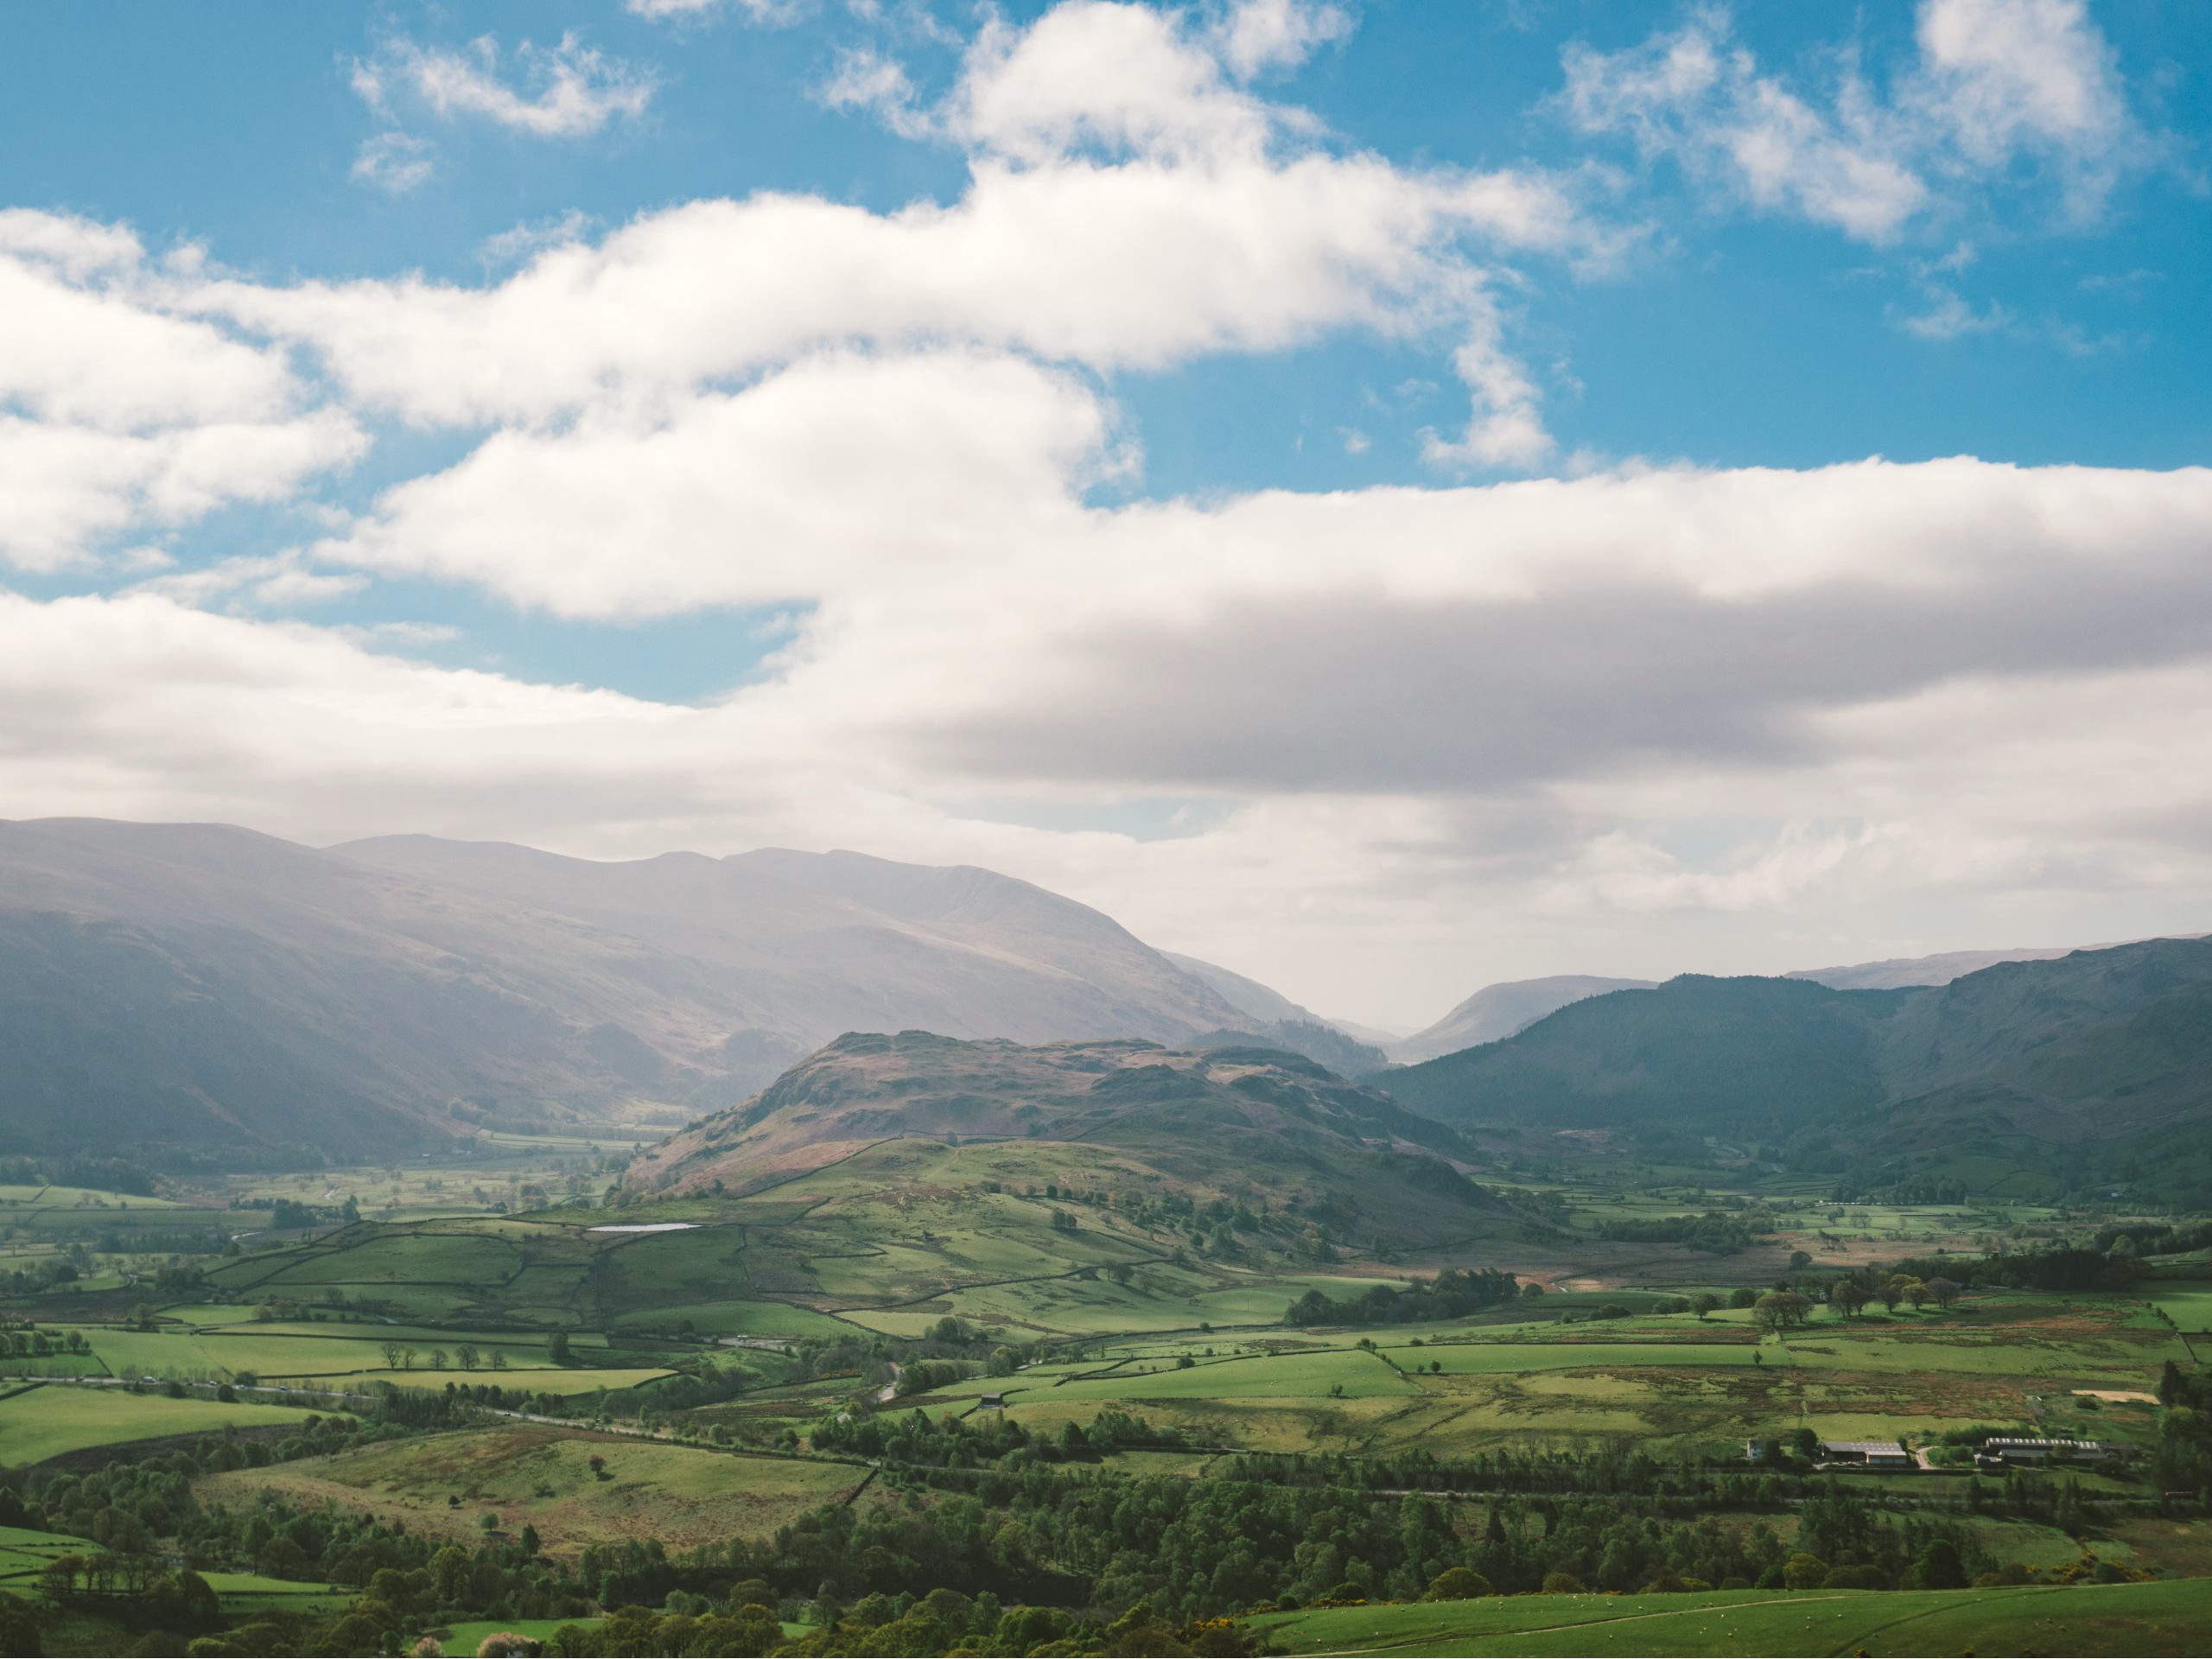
(1780, 1310)
(467, 1355)
(1848, 1294)
(556, 1347)
(1704, 1303)
(1945, 1291)
(438, 1359)
(1939, 1566)
(390, 1350)
(1800, 1258)
(1916, 1292)
(406, 1359)
(1892, 1291)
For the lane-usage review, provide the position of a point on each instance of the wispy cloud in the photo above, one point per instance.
(566, 91)
(395, 162)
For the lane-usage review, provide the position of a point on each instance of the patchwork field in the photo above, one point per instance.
(541, 1476)
(1670, 1383)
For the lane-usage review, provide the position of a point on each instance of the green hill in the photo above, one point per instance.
(1260, 1126)
(2093, 1067)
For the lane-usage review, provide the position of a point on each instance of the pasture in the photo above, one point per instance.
(57, 1417)
(542, 1476)
(2082, 1619)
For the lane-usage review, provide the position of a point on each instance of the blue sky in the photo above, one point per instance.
(898, 511)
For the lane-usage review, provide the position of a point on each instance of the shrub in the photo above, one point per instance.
(1458, 1584)
(1563, 1584)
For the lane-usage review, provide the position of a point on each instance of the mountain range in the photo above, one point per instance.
(2093, 1065)
(1497, 1012)
(202, 985)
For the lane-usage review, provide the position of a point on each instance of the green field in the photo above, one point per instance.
(46, 1423)
(540, 1476)
(2187, 1302)
(24, 1554)
(2117, 1618)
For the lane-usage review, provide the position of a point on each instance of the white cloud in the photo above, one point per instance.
(1262, 34)
(866, 81)
(64, 489)
(117, 414)
(765, 12)
(1698, 98)
(2007, 77)
(1949, 317)
(395, 162)
(567, 91)
(840, 477)
(1127, 208)
(1992, 81)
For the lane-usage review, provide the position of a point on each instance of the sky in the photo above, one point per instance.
(1386, 497)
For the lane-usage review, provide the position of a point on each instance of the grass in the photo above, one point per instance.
(2188, 1303)
(48, 1421)
(540, 1476)
(2084, 1619)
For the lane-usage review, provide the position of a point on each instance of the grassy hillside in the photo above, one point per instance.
(2093, 1068)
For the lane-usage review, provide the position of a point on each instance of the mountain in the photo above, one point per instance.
(197, 985)
(2095, 1065)
(1266, 1121)
(1498, 1011)
(1274, 1021)
(1897, 972)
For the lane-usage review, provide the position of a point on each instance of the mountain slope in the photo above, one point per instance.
(2082, 1066)
(1259, 1118)
(201, 985)
(1497, 1012)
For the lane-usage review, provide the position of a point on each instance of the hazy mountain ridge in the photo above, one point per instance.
(2098, 1047)
(206, 985)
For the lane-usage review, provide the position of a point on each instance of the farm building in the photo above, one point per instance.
(991, 1402)
(1998, 1453)
(1875, 1454)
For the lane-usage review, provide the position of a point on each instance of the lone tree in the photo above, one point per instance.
(1704, 1303)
